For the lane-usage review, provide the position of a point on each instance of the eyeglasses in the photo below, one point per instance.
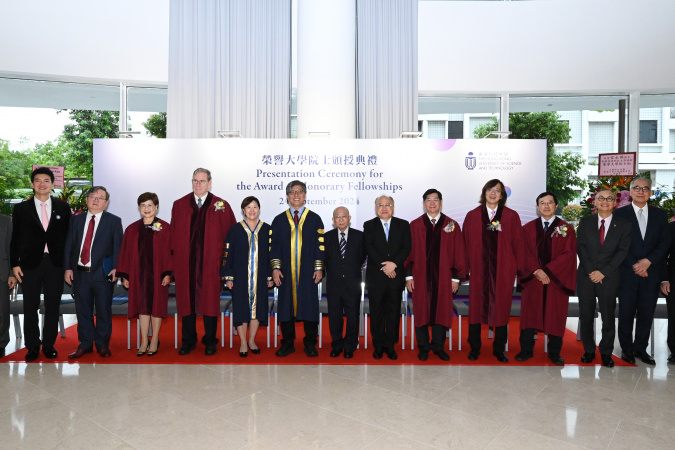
(605, 199)
(495, 190)
(339, 217)
(641, 188)
(96, 199)
(384, 205)
(296, 192)
(546, 203)
(432, 200)
(199, 181)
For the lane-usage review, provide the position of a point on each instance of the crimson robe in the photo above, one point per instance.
(217, 223)
(495, 258)
(436, 258)
(129, 267)
(544, 307)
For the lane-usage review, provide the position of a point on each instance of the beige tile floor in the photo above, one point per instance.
(351, 407)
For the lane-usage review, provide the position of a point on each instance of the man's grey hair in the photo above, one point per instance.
(649, 182)
(341, 207)
(202, 170)
(391, 199)
(295, 183)
(94, 189)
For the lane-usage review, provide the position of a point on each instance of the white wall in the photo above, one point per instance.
(121, 40)
(546, 46)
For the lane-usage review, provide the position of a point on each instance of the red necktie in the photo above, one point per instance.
(296, 218)
(602, 231)
(433, 222)
(86, 248)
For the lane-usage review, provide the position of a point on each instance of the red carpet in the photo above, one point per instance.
(571, 351)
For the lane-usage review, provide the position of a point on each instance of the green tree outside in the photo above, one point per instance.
(156, 125)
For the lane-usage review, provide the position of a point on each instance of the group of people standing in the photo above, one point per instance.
(203, 248)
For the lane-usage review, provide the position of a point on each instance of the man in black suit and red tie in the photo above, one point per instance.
(344, 257)
(92, 249)
(603, 240)
(388, 242)
(641, 271)
(40, 226)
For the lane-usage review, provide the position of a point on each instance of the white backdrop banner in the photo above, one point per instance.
(349, 172)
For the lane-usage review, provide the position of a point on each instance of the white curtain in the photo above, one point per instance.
(229, 68)
(386, 67)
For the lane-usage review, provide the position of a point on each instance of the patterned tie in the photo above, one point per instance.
(45, 220)
(199, 203)
(545, 227)
(642, 222)
(296, 219)
(492, 215)
(386, 231)
(602, 231)
(433, 222)
(86, 248)
(343, 245)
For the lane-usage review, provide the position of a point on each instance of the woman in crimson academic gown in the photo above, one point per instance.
(246, 272)
(493, 238)
(145, 266)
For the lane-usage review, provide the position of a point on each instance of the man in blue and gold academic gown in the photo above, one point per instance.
(297, 261)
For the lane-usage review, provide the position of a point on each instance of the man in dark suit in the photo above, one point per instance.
(7, 280)
(388, 242)
(40, 225)
(344, 255)
(92, 249)
(603, 240)
(668, 281)
(641, 271)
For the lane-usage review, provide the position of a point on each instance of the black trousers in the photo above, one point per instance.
(474, 340)
(670, 303)
(93, 295)
(605, 293)
(437, 337)
(189, 328)
(288, 333)
(4, 313)
(637, 301)
(349, 306)
(527, 342)
(46, 278)
(385, 312)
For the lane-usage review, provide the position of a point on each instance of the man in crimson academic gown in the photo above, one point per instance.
(297, 263)
(549, 279)
(435, 266)
(199, 223)
(493, 239)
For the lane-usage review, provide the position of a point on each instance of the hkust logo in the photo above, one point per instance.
(470, 161)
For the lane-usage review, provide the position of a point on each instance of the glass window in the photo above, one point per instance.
(144, 104)
(459, 115)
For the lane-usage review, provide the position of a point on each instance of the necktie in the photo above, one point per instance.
(433, 222)
(45, 220)
(199, 203)
(545, 227)
(343, 245)
(492, 215)
(386, 231)
(602, 231)
(86, 248)
(296, 219)
(642, 222)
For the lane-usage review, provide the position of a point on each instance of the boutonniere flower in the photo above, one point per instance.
(156, 226)
(450, 227)
(219, 206)
(561, 230)
(495, 225)
(58, 217)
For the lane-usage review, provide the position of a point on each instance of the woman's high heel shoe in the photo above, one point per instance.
(255, 351)
(156, 350)
(243, 354)
(141, 353)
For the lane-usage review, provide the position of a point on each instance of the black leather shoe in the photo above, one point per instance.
(32, 354)
(185, 349)
(423, 355)
(377, 354)
(628, 357)
(335, 353)
(501, 356)
(312, 352)
(210, 349)
(2, 352)
(473, 355)
(671, 358)
(79, 353)
(391, 354)
(524, 356)
(607, 360)
(645, 357)
(587, 358)
(285, 350)
(556, 359)
(348, 354)
(50, 352)
(443, 355)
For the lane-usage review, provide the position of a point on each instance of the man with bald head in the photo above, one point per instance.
(344, 257)
(388, 242)
(603, 240)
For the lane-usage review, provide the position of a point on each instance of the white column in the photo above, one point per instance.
(327, 67)
(504, 108)
(634, 125)
(123, 107)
